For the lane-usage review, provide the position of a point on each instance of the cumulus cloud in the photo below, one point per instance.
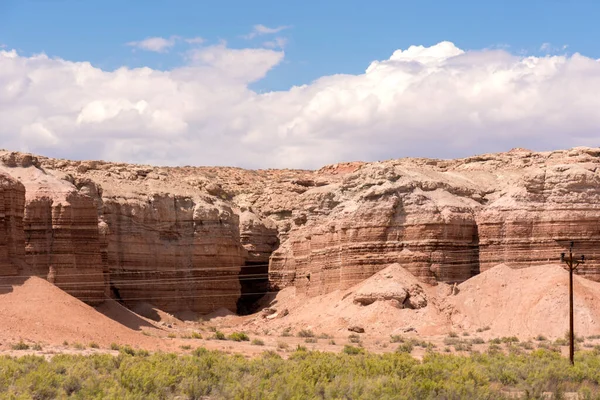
(156, 44)
(258, 30)
(437, 101)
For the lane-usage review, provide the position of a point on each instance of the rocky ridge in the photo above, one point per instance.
(196, 238)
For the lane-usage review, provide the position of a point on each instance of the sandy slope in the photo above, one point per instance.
(526, 302)
(39, 311)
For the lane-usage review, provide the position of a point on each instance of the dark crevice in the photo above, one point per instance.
(254, 285)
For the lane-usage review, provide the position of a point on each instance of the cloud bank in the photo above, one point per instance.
(437, 101)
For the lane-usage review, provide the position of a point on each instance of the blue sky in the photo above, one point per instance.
(324, 38)
(296, 84)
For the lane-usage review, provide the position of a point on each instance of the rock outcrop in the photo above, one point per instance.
(59, 231)
(206, 238)
(12, 237)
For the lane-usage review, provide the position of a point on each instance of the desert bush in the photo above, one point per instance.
(396, 339)
(354, 338)
(405, 348)
(219, 335)
(21, 345)
(352, 350)
(257, 342)
(239, 337)
(196, 335)
(324, 336)
(282, 346)
(353, 373)
(286, 332)
(94, 345)
(304, 333)
(311, 340)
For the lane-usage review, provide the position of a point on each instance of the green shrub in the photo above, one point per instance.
(185, 347)
(93, 345)
(351, 350)
(485, 328)
(541, 338)
(477, 340)
(196, 335)
(324, 336)
(171, 336)
(114, 346)
(37, 347)
(351, 374)
(453, 334)
(258, 342)
(127, 350)
(219, 335)
(239, 337)
(405, 348)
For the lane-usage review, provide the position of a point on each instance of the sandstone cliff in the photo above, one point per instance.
(203, 238)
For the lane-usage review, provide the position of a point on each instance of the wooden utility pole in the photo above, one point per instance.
(572, 264)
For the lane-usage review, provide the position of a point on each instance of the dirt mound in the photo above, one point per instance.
(392, 284)
(39, 311)
(335, 312)
(149, 311)
(526, 302)
(123, 315)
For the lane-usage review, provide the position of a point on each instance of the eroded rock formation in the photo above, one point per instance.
(204, 238)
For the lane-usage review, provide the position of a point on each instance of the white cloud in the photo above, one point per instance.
(258, 30)
(549, 48)
(195, 40)
(277, 43)
(156, 44)
(436, 101)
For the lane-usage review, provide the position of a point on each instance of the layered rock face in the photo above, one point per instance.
(12, 239)
(203, 238)
(59, 231)
(448, 220)
(177, 253)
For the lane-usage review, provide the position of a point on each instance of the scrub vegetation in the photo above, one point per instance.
(353, 373)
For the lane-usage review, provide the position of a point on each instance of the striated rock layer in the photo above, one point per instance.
(59, 230)
(12, 238)
(203, 238)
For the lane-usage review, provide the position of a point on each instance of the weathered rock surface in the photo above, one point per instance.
(59, 231)
(12, 237)
(200, 238)
(446, 221)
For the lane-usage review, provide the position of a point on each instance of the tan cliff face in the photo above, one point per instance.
(208, 237)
